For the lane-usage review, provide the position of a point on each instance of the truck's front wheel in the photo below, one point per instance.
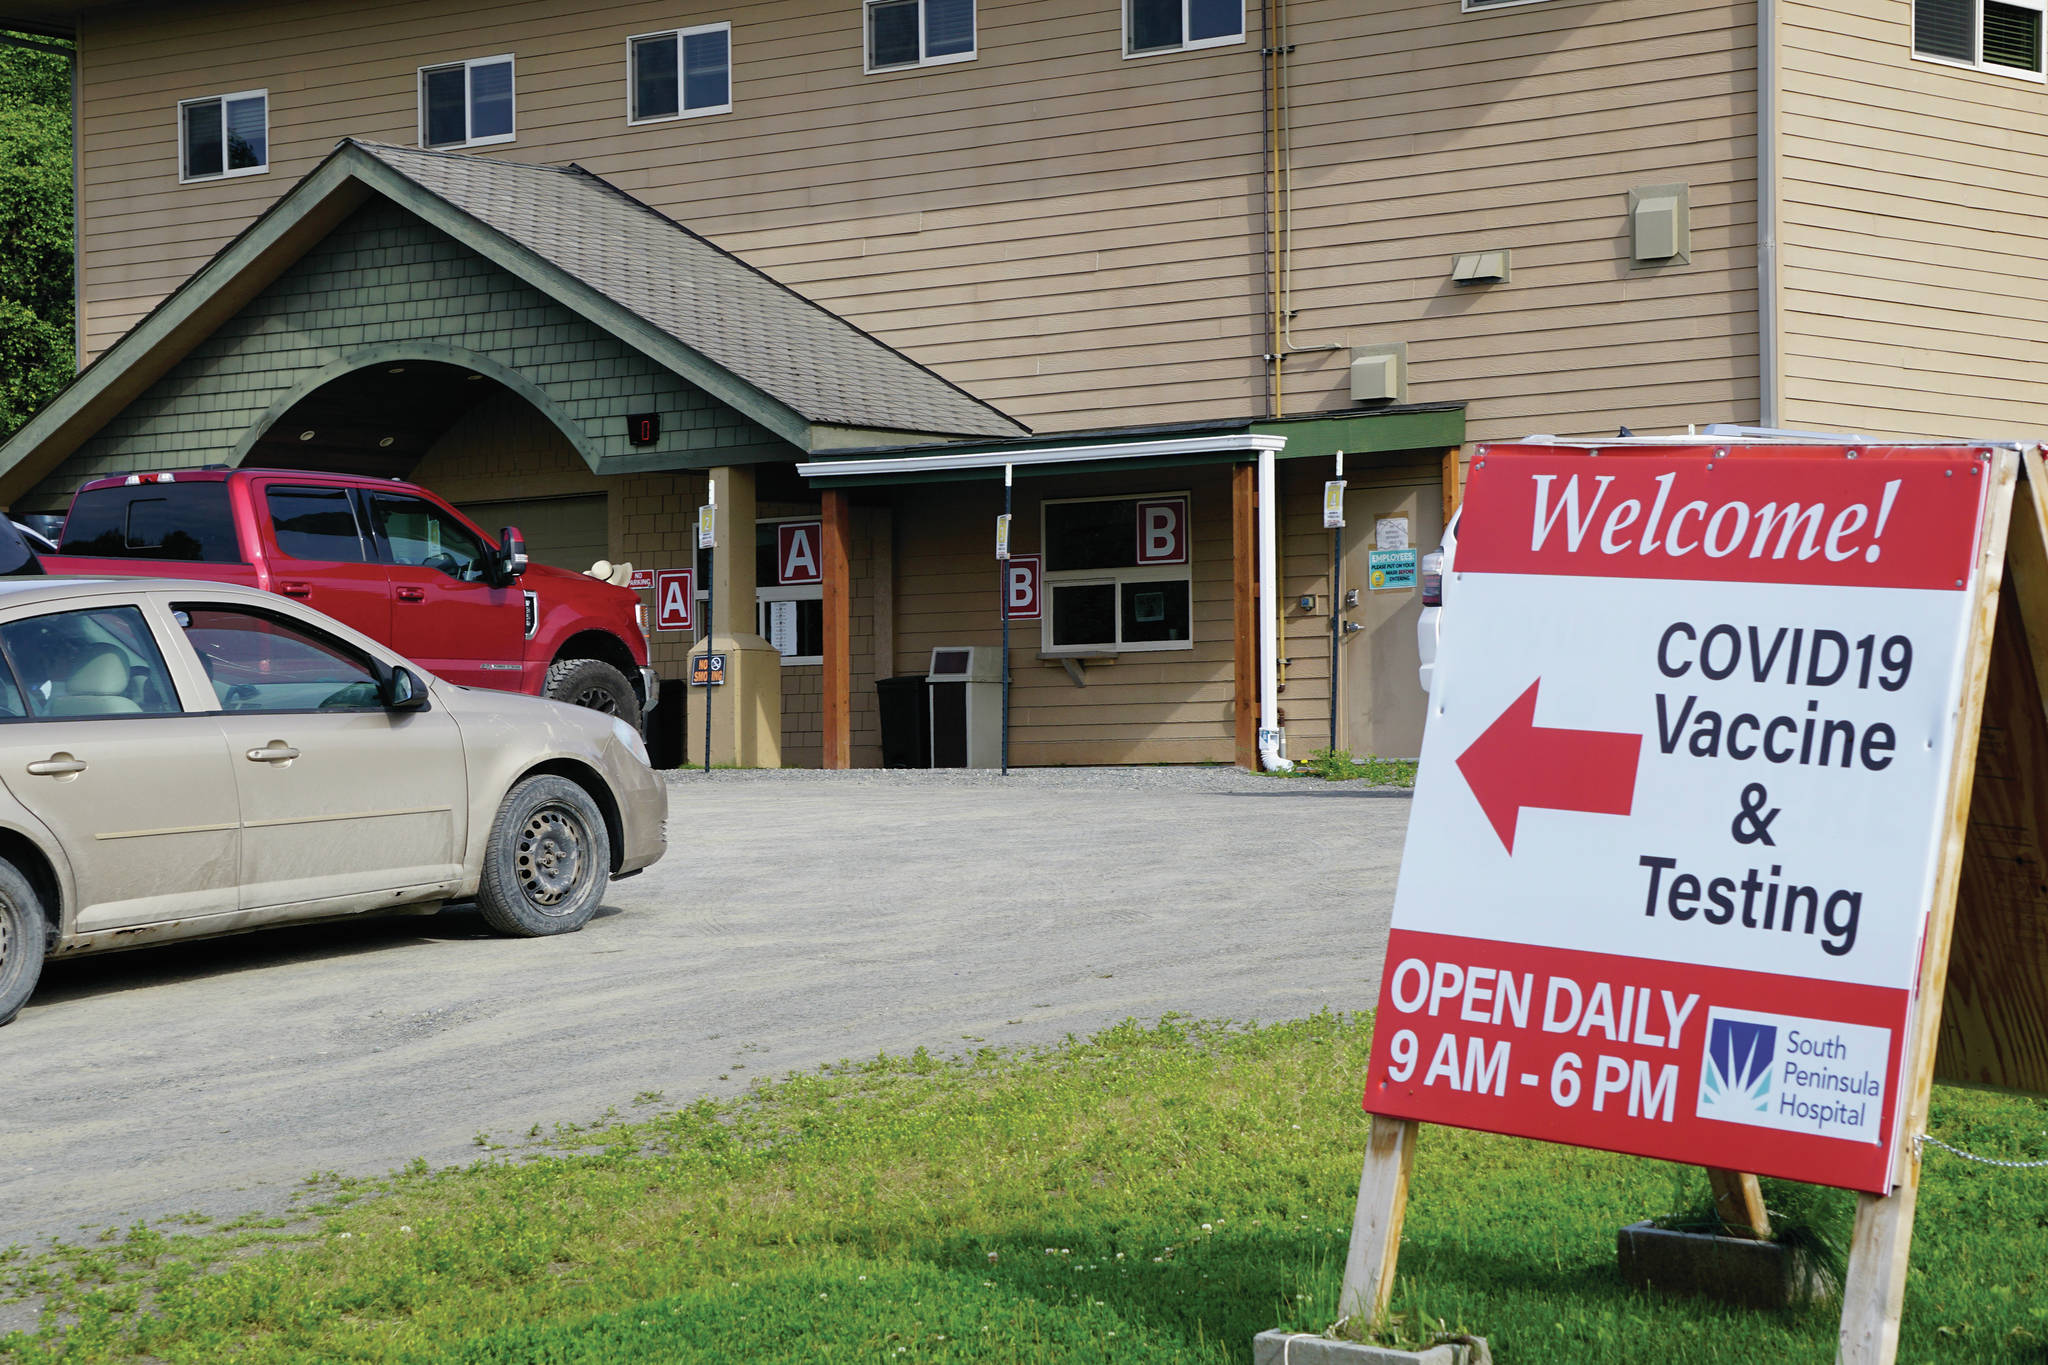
(595, 684)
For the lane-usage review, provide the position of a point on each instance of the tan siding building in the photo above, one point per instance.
(1073, 234)
(1186, 245)
(1913, 227)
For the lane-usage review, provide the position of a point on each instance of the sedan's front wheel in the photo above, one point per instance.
(549, 860)
(21, 941)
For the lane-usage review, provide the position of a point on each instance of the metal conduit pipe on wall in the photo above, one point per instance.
(1767, 378)
(1277, 135)
(1277, 131)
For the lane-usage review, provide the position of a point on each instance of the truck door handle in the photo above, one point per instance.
(296, 589)
(57, 765)
(277, 751)
(412, 594)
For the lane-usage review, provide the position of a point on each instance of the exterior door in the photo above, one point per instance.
(324, 557)
(1383, 701)
(339, 796)
(444, 611)
(140, 794)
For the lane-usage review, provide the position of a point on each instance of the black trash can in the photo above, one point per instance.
(906, 721)
(667, 744)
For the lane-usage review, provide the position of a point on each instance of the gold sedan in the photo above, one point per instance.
(181, 759)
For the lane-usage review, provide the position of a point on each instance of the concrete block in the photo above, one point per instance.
(1732, 1270)
(1300, 1348)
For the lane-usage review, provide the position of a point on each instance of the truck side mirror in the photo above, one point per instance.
(511, 553)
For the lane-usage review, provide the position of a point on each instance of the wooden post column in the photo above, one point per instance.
(837, 534)
(1454, 489)
(1740, 1201)
(1244, 560)
(1376, 1223)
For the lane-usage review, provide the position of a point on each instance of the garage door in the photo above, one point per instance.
(569, 533)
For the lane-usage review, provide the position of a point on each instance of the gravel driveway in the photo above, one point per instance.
(799, 918)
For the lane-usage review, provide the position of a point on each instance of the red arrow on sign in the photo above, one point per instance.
(1515, 765)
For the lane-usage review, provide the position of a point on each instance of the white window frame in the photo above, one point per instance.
(224, 173)
(1243, 34)
(867, 46)
(1049, 580)
(796, 592)
(1989, 68)
(634, 120)
(793, 592)
(468, 65)
(1488, 6)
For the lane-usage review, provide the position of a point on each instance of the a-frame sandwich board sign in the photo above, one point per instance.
(1682, 868)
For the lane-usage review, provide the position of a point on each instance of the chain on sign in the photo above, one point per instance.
(1986, 1160)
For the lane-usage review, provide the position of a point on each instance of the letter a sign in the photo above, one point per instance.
(796, 553)
(1682, 800)
(675, 599)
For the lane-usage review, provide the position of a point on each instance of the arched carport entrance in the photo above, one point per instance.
(378, 420)
(488, 444)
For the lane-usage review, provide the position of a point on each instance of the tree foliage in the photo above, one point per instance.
(36, 355)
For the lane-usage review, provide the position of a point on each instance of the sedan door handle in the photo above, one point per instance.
(296, 589)
(412, 594)
(274, 752)
(57, 766)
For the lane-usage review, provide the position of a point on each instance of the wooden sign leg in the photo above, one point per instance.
(1376, 1225)
(1875, 1293)
(1740, 1201)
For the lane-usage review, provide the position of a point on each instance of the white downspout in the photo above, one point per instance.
(1269, 623)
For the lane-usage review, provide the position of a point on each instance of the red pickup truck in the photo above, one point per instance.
(388, 558)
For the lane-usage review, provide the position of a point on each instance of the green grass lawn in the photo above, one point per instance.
(1146, 1195)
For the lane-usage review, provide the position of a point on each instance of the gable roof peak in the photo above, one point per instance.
(697, 293)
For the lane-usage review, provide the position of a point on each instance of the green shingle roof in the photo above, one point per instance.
(735, 316)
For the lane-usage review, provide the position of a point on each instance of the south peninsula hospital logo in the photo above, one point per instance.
(1795, 1075)
(1735, 1080)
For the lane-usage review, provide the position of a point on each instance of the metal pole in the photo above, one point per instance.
(1336, 609)
(710, 617)
(1003, 605)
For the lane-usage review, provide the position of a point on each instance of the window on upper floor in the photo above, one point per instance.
(466, 104)
(224, 135)
(2002, 36)
(906, 33)
(1177, 25)
(680, 74)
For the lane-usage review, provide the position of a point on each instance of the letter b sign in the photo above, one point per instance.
(1020, 588)
(1163, 531)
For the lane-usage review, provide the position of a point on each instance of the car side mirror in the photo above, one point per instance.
(403, 690)
(511, 553)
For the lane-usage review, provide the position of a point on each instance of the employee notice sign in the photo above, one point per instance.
(1675, 834)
